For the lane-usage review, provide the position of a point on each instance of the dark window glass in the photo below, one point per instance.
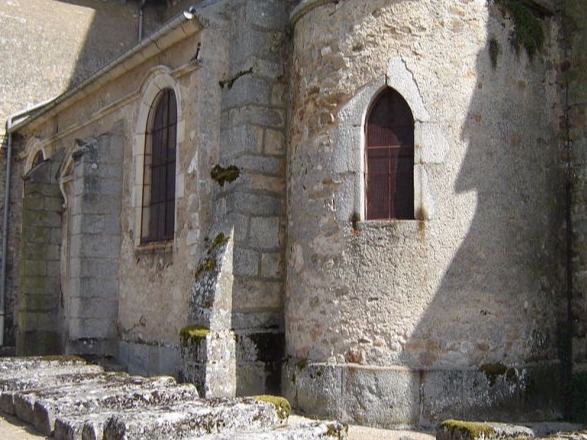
(389, 161)
(158, 217)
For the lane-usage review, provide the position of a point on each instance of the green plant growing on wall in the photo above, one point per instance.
(527, 32)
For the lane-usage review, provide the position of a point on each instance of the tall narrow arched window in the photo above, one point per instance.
(389, 158)
(158, 207)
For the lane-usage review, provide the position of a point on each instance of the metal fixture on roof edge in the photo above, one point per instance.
(141, 18)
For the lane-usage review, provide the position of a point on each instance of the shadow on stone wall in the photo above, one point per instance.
(113, 30)
(497, 307)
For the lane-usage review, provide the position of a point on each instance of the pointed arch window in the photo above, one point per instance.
(158, 207)
(389, 158)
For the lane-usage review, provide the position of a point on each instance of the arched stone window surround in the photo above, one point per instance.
(430, 144)
(158, 80)
(34, 147)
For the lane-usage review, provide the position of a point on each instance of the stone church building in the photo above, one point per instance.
(374, 208)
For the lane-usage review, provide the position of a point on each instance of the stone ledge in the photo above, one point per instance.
(395, 396)
(469, 430)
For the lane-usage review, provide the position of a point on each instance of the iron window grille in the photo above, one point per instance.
(389, 158)
(158, 206)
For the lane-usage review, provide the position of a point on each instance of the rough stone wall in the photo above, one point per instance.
(91, 254)
(38, 302)
(13, 245)
(576, 77)
(153, 285)
(253, 122)
(155, 282)
(474, 280)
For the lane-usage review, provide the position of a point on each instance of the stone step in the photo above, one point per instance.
(30, 378)
(126, 396)
(76, 427)
(32, 383)
(306, 431)
(24, 400)
(40, 361)
(71, 400)
(192, 420)
(10, 366)
(51, 384)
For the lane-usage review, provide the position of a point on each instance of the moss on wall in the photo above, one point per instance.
(222, 175)
(193, 334)
(527, 32)
(209, 262)
(493, 371)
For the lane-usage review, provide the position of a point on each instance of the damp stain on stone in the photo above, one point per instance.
(355, 218)
(229, 82)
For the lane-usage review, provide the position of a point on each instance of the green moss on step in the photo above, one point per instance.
(281, 404)
(468, 430)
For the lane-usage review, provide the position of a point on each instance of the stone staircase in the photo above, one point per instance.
(67, 398)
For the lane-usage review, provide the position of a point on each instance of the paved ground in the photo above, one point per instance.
(13, 429)
(364, 433)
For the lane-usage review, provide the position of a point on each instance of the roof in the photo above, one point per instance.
(184, 25)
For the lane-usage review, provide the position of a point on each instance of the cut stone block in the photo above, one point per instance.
(72, 427)
(24, 400)
(192, 420)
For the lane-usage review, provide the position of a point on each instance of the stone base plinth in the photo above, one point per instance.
(399, 396)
